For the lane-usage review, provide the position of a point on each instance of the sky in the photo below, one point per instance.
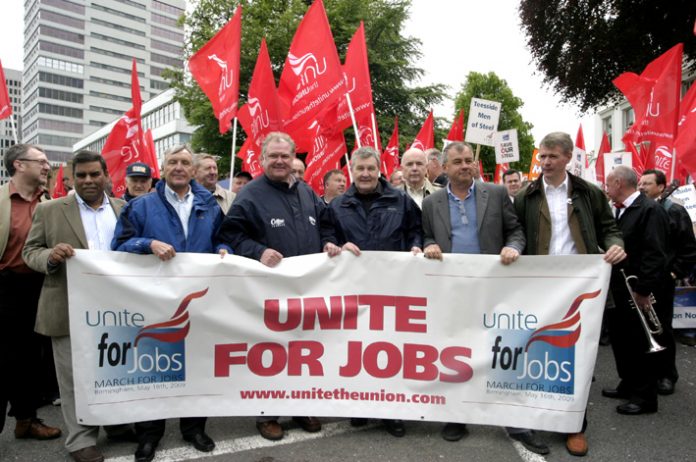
(458, 36)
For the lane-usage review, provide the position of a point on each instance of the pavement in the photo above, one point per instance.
(669, 435)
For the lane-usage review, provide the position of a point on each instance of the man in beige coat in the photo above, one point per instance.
(20, 346)
(84, 220)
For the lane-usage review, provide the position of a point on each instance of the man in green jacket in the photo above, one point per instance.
(565, 215)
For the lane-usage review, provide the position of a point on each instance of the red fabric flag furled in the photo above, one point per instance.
(312, 79)
(685, 144)
(456, 132)
(250, 153)
(499, 170)
(152, 151)
(216, 69)
(261, 115)
(126, 142)
(654, 95)
(5, 102)
(604, 148)
(580, 139)
(426, 136)
(390, 156)
(59, 187)
(329, 146)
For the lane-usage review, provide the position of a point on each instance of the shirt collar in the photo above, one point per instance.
(173, 195)
(629, 200)
(562, 187)
(82, 202)
(13, 190)
(471, 190)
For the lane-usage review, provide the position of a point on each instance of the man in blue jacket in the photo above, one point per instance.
(180, 216)
(275, 216)
(372, 215)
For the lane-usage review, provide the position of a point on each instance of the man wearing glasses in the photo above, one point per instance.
(472, 217)
(19, 291)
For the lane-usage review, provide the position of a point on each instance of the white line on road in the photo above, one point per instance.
(525, 454)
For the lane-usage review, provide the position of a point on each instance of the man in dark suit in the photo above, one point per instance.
(473, 218)
(645, 227)
(565, 215)
(84, 220)
(19, 291)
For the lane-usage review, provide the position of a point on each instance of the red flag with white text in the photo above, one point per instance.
(426, 136)
(126, 141)
(5, 102)
(327, 150)
(312, 78)
(685, 144)
(216, 69)
(654, 96)
(250, 153)
(499, 170)
(390, 156)
(261, 114)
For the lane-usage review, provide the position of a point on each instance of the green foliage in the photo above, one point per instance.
(581, 46)
(491, 87)
(391, 56)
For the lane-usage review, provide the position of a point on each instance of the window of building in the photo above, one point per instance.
(132, 3)
(116, 55)
(173, 62)
(607, 127)
(60, 125)
(628, 117)
(164, 46)
(166, 20)
(60, 95)
(99, 94)
(61, 34)
(60, 64)
(108, 38)
(157, 85)
(166, 33)
(120, 27)
(120, 13)
(113, 68)
(167, 8)
(61, 49)
(61, 80)
(60, 110)
(62, 19)
(106, 110)
(64, 5)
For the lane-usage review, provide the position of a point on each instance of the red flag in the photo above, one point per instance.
(59, 187)
(312, 79)
(426, 136)
(216, 69)
(636, 161)
(604, 148)
(685, 143)
(357, 74)
(390, 156)
(250, 153)
(499, 170)
(152, 151)
(654, 95)
(5, 102)
(456, 132)
(261, 115)
(580, 139)
(126, 142)
(327, 151)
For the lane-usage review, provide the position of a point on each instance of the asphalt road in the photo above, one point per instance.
(669, 435)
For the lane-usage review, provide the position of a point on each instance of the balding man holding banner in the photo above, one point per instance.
(565, 215)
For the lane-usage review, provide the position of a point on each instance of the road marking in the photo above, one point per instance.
(525, 454)
(248, 443)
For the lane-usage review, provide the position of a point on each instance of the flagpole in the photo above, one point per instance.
(374, 130)
(350, 174)
(234, 148)
(355, 124)
(674, 161)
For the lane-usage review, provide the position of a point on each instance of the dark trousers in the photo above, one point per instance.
(20, 346)
(666, 359)
(636, 368)
(153, 430)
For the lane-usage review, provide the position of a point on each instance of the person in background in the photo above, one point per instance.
(239, 180)
(206, 169)
(334, 185)
(138, 180)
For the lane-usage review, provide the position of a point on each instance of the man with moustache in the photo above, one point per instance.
(207, 176)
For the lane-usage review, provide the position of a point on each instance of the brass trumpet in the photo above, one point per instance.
(652, 318)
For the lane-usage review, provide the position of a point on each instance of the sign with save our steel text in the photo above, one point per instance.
(385, 334)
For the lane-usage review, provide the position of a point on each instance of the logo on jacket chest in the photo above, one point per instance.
(277, 222)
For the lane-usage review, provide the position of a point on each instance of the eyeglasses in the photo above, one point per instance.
(40, 161)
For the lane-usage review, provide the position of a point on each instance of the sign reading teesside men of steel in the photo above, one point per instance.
(482, 122)
(386, 334)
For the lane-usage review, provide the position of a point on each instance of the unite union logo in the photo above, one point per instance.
(306, 67)
(525, 357)
(129, 352)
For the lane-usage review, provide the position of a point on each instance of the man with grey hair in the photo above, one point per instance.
(645, 227)
(207, 176)
(416, 184)
(372, 215)
(565, 215)
(436, 174)
(179, 216)
(275, 216)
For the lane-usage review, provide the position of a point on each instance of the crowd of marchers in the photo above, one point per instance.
(434, 204)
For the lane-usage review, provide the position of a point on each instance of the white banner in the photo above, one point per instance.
(482, 122)
(506, 147)
(385, 334)
(614, 159)
(686, 196)
(684, 316)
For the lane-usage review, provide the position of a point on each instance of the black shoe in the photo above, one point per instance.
(614, 393)
(201, 441)
(454, 431)
(127, 436)
(665, 386)
(529, 440)
(633, 408)
(358, 421)
(395, 427)
(145, 451)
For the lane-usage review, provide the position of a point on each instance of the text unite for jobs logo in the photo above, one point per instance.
(526, 358)
(130, 352)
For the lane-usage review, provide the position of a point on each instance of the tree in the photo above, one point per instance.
(581, 46)
(491, 87)
(391, 57)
